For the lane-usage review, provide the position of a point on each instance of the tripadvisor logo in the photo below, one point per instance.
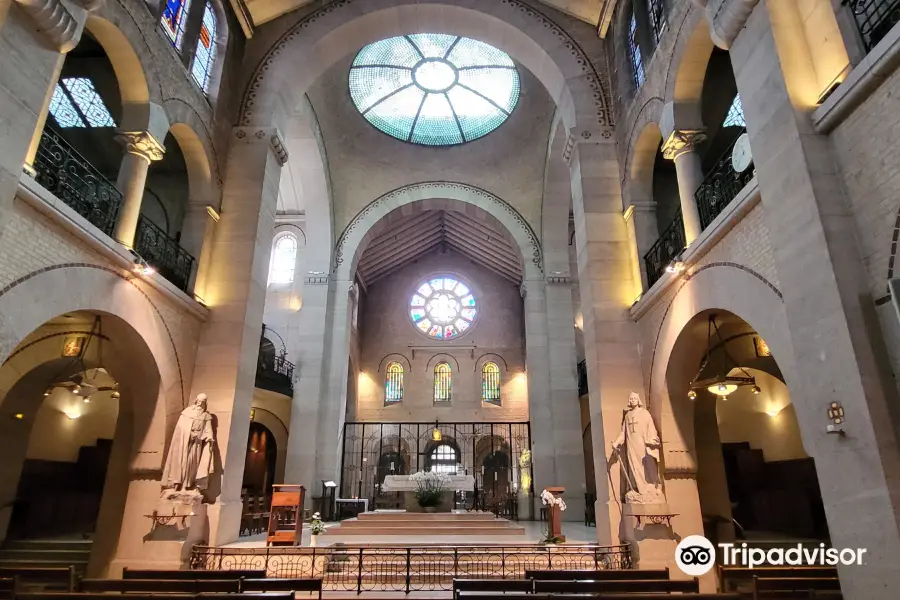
(695, 555)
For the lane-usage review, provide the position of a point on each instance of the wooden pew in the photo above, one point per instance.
(732, 577)
(790, 587)
(160, 586)
(523, 586)
(99, 596)
(658, 586)
(8, 587)
(281, 585)
(609, 596)
(55, 577)
(193, 574)
(598, 575)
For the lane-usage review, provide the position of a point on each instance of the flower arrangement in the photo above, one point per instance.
(549, 499)
(316, 526)
(429, 487)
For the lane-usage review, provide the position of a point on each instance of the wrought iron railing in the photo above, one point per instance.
(406, 569)
(581, 370)
(664, 250)
(874, 18)
(275, 373)
(719, 187)
(163, 253)
(71, 178)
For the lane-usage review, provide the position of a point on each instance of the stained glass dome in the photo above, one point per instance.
(434, 89)
(443, 308)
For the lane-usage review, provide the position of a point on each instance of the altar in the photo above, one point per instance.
(407, 487)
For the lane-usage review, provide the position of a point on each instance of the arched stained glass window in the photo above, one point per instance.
(174, 19)
(443, 308)
(205, 55)
(434, 89)
(284, 259)
(634, 53)
(75, 103)
(443, 459)
(393, 383)
(735, 116)
(442, 377)
(490, 383)
(656, 9)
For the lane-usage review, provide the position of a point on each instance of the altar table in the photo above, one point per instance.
(402, 483)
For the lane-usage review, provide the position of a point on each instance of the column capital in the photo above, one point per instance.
(142, 144)
(270, 135)
(682, 141)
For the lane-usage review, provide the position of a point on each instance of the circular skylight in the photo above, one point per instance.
(434, 89)
(443, 308)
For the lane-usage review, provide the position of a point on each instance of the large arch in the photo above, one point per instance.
(190, 132)
(125, 61)
(354, 238)
(641, 158)
(687, 69)
(340, 28)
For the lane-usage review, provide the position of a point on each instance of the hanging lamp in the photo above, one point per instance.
(82, 383)
(720, 381)
(436, 433)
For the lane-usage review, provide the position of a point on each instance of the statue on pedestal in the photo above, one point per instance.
(641, 458)
(190, 460)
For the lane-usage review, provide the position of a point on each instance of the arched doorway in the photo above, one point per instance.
(754, 478)
(260, 462)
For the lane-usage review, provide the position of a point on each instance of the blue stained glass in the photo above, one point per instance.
(634, 51)
(417, 313)
(75, 103)
(735, 116)
(205, 55)
(434, 89)
(436, 332)
(63, 110)
(174, 18)
(437, 284)
(417, 300)
(445, 311)
(468, 300)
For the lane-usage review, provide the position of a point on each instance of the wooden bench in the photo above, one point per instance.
(281, 585)
(658, 586)
(599, 575)
(604, 596)
(731, 577)
(772, 587)
(144, 596)
(51, 577)
(523, 586)
(194, 574)
(8, 587)
(160, 586)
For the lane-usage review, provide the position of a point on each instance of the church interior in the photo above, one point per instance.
(449, 298)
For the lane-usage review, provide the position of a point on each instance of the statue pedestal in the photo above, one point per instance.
(648, 529)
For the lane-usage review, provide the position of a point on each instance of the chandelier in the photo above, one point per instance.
(719, 373)
(83, 381)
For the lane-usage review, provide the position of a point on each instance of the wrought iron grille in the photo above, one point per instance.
(71, 178)
(664, 250)
(656, 9)
(582, 378)
(719, 187)
(407, 569)
(874, 18)
(276, 374)
(490, 383)
(498, 455)
(163, 253)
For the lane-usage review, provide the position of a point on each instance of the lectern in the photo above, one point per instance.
(286, 515)
(554, 516)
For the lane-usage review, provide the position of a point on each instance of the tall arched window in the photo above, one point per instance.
(393, 383)
(656, 10)
(174, 19)
(634, 53)
(490, 383)
(443, 459)
(205, 55)
(284, 259)
(442, 382)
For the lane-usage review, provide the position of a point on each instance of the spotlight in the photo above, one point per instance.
(115, 395)
(47, 392)
(692, 395)
(77, 389)
(141, 267)
(87, 399)
(19, 416)
(756, 390)
(676, 266)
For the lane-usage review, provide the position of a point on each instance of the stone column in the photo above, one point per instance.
(640, 221)
(605, 279)
(682, 148)
(235, 292)
(826, 295)
(197, 238)
(141, 148)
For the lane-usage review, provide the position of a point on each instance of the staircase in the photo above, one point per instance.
(469, 524)
(46, 553)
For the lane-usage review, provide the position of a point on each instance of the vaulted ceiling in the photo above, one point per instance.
(408, 238)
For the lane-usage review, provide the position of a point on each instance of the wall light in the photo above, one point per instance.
(19, 416)
(676, 266)
(774, 412)
(72, 414)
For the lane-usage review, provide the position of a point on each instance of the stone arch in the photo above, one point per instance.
(441, 357)
(279, 432)
(126, 63)
(340, 28)
(687, 69)
(189, 130)
(642, 150)
(489, 357)
(557, 201)
(395, 357)
(355, 237)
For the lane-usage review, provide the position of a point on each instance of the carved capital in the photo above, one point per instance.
(680, 142)
(55, 21)
(270, 135)
(142, 144)
(726, 19)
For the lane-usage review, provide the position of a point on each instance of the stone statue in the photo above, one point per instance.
(190, 460)
(642, 445)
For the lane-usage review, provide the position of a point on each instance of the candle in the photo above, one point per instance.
(482, 470)
(392, 465)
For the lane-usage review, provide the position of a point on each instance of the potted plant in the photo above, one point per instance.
(430, 488)
(549, 499)
(316, 526)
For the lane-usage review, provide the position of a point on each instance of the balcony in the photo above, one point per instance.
(70, 177)
(719, 187)
(665, 249)
(582, 378)
(274, 372)
(874, 19)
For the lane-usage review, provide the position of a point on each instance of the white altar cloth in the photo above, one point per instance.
(402, 483)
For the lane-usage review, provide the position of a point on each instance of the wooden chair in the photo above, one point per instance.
(161, 586)
(524, 586)
(601, 575)
(273, 584)
(62, 578)
(198, 574)
(8, 587)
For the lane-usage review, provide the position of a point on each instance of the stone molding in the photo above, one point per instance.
(142, 144)
(681, 142)
(726, 19)
(601, 135)
(270, 135)
(55, 21)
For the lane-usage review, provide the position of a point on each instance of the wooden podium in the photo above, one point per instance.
(286, 515)
(554, 517)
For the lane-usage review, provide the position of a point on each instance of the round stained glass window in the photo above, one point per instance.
(434, 89)
(443, 308)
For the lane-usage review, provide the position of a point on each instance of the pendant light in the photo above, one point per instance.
(436, 433)
(715, 370)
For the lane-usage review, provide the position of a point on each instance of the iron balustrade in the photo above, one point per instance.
(71, 178)
(163, 253)
(664, 250)
(408, 569)
(874, 19)
(719, 188)
(582, 378)
(276, 374)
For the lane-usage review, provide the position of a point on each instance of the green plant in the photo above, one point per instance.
(551, 539)
(316, 526)
(429, 488)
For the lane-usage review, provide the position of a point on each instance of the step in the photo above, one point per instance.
(6, 563)
(48, 545)
(350, 523)
(54, 555)
(392, 516)
(430, 531)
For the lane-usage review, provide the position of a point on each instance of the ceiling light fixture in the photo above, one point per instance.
(715, 369)
(83, 381)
